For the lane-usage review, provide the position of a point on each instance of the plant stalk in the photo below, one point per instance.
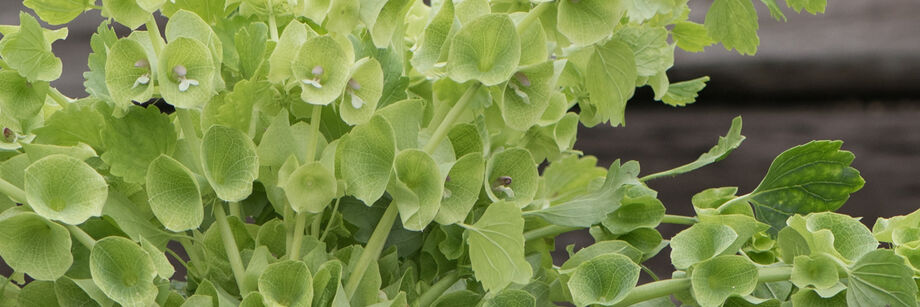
(329, 225)
(450, 118)
(533, 16)
(81, 236)
(301, 217)
(438, 288)
(156, 39)
(297, 238)
(56, 95)
(371, 250)
(679, 219)
(546, 231)
(187, 124)
(272, 24)
(235, 209)
(670, 286)
(233, 252)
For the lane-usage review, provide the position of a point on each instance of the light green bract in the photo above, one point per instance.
(404, 153)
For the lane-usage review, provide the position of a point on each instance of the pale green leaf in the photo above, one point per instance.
(487, 49)
(129, 73)
(461, 189)
(685, 92)
(818, 271)
(391, 16)
(599, 249)
(725, 146)
(126, 12)
(406, 120)
(38, 293)
(691, 36)
(29, 53)
(511, 298)
(58, 12)
(436, 39)
(586, 22)
(230, 162)
(282, 140)
(417, 188)
(322, 68)
(713, 281)
(881, 278)
(369, 151)
(293, 36)
(133, 141)
(100, 42)
(807, 178)
(734, 23)
(123, 271)
(812, 298)
(163, 268)
(642, 10)
(287, 283)
(253, 299)
(611, 80)
(812, 6)
(327, 284)
(365, 86)
(650, 48)
(34, 245)
(19, 98)
(343, 16)
(63, 188)
(605, 279)
(69, 294)
(173, 194)
(634, 213)
(533, 45)
(496, 243)
(527, 94)
(514, 165)
(590, 208)
(700, 242)
(310, 188)
(251, 42)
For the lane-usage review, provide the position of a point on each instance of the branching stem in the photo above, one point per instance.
(233, 252)
(438, 288)
(81, 236)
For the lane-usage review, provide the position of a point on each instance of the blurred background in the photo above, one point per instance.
(850, 74)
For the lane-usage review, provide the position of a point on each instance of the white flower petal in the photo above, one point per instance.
(356, 101)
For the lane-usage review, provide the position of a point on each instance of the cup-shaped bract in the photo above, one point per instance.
(65, 189)
(173, 194)
(310, 188)
(19, 98)
(362, 92)
(322, 68)
(186, 73)
(486, 49)
(129, 74)
(230, 162)
(34, 245)
(123, 271)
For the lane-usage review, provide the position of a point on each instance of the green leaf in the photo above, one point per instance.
(533, 44)
(129, 73)
(487, 49)
(406, 121)
(188, 24)
(64, 188)
(812, 298)
(435, 41)
(343, 16)
(310, 188)
(250, 45)
(881, 278)
(134, 140)
(173, 194)
(775, 11)
(713, 281)
(58, 12)
(599, 249)
(725, 146)
(807, 178)
(125, 12)
(321, 68)
(700, 242)
(70, 294)
(211, 11)
(187, 73)
(514, 165)
(150, 5)
(100, 42)
(370, 150)
(19, 98)
(590, 208)
(685, 92)
(164, 269)
(281, 140)
(458, 299)
(511, 298)
(496, 243)
(386, 20)
(650, 47)
(365, 86)
(586, 22)
(38, 293)
(642, 10)
(818, 271)
(294, 35)
(461, 189)
(812, 6)
(37, 151)
(287, 283)
(34, 245)
(634, 213)
(327, 285)
(230, 162)
(611, 80)
(691, 36)
(29, 53)
(123, 271)
(605, 280)
(836, 234)
(417, 188)
(253, 299)
(527, 94)
(734, 23)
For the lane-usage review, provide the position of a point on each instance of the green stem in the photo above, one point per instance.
(372, 249)
(288, 223)
(81, 236)
(774, 273)
(654, 290)
(233, 252)
(329, 225)
(316, 224)
(156, 39)
(450, 118)
(187, 124)
(650, 272)
(58, 97)
(176, 256)
(533, 15)
(297, 236)
(235, 209)
(545, 231)
(272, 24)
(438, 288)
(679, 219)
(14, 192)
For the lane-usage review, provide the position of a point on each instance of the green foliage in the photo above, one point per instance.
(392, 153)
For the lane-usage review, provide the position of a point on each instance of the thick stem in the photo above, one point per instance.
(297, 236)
(547, 231)
(14, 192)
(372, 249)
(233, 252)
(533, 16)
(58, 97)
(187, 123)
(438, 288)
(775, 273)
(236, 210)
(81, 236)
(450, 118)
(679, 219)
(156, 39)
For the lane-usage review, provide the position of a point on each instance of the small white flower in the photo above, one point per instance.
(356, 101)
(142, 80)
(519, 92)
(447, 194)
(184, 83)
(314, 82)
